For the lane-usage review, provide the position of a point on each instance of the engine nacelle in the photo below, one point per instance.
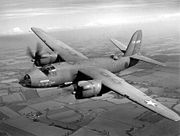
(40, 58)
(87, 89)
(48, 59)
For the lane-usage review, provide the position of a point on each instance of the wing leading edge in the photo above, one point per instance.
(66, 52)
(121, 87)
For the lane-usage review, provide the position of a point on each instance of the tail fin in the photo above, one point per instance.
(134, 44)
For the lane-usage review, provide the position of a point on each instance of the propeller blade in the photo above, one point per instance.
(38, 50)
(30, 53)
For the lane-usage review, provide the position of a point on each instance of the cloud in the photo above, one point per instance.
(17, 30)
(111, 19)
(72, 14)
(29, 12)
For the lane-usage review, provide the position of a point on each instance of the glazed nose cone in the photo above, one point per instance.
(25, 80)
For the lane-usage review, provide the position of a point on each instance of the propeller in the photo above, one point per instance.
(35, 57)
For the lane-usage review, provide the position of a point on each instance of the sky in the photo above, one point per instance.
(18, 16)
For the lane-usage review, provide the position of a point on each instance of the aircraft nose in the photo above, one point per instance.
(25, 81)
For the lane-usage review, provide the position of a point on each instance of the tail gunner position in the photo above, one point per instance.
(94, 76)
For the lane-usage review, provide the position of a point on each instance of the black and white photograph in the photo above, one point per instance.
(89, 68)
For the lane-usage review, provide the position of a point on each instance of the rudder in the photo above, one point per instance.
(134, 44)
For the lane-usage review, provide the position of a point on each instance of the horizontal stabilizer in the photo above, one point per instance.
(146, 59)
(119, 45)
(129, 71)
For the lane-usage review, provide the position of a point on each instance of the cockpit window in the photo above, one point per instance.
(114, 57)
(48, 69)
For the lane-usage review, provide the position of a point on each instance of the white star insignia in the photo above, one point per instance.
(149, 102)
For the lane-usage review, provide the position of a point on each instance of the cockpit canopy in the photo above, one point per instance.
(48, 69)
(114, 57)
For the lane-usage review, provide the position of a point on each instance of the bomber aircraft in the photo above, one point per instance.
(92, 77)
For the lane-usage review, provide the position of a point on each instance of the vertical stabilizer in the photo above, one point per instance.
(134, 44)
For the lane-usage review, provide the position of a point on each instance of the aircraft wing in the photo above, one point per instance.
(123, 88)
(64, 51)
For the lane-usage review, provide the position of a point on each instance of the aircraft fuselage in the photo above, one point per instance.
(60, 73)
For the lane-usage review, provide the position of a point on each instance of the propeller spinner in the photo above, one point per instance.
(35, 57)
